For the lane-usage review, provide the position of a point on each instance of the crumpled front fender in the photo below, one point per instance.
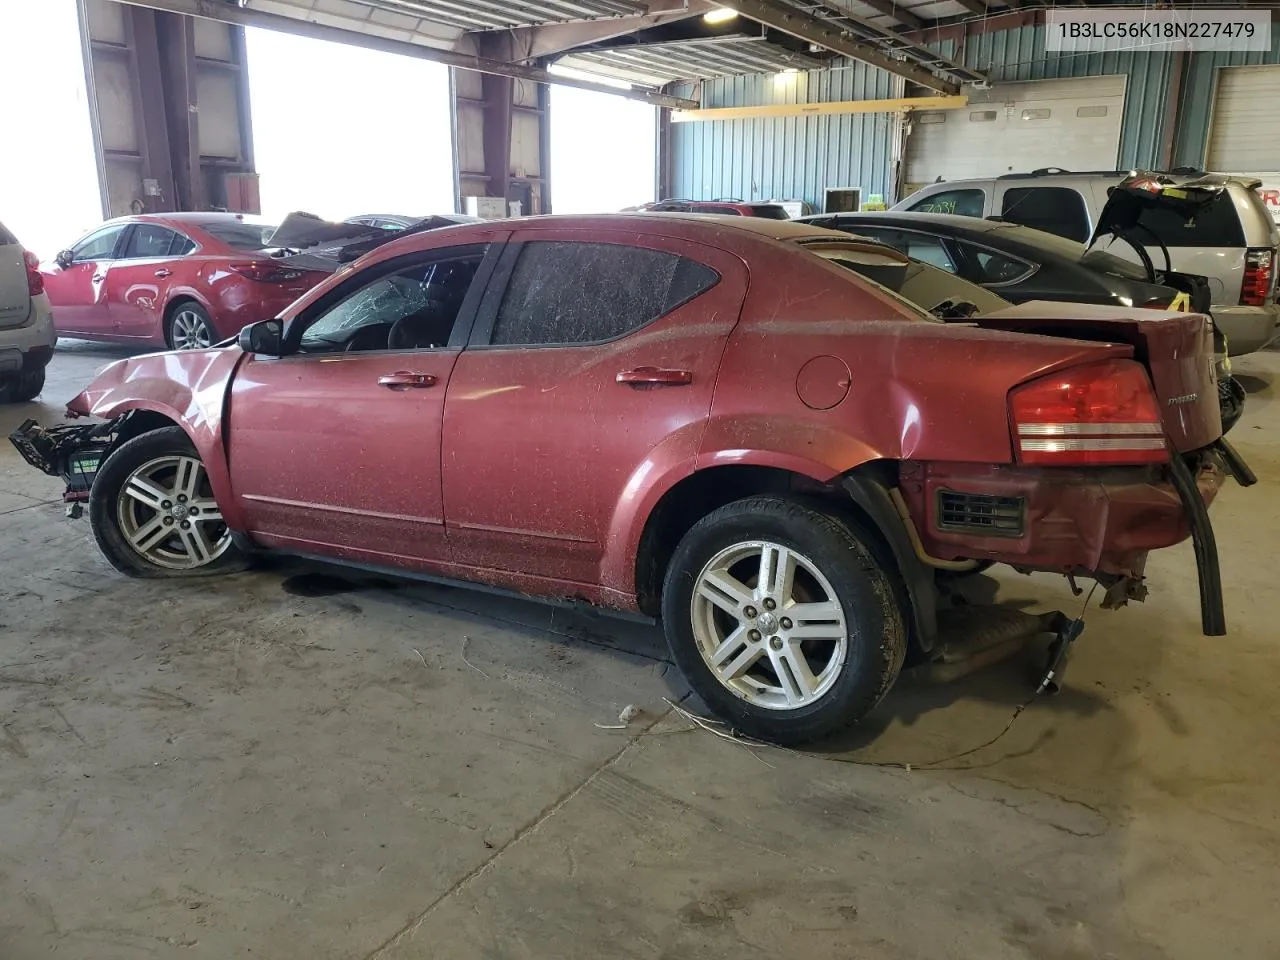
(189, 387)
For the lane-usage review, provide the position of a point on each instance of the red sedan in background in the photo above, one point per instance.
(181, 280)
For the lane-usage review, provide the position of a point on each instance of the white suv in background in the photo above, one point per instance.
(26, 323)
(1233, 243)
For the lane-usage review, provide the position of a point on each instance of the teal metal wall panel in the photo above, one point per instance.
(786, 158)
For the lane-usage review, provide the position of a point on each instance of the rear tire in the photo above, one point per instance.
(189, 327)
(153, 512)
(782, 619)
(23, 388)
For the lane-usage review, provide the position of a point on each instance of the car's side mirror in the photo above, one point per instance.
(264, 338)
(64, 259)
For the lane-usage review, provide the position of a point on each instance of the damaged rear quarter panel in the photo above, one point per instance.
(917, 389)
(189, 388)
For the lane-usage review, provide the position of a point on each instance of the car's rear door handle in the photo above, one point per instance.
(99, 277)
(162, 273)
(404, 380)
(641, 376)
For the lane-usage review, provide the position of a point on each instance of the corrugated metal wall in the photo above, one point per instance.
(786, 158)
(797, 157)
(1195, 107)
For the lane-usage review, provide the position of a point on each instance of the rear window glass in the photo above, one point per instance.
(1057, 210)
(1216, 224)
(6, 238)
(770, 211)
(241, 236)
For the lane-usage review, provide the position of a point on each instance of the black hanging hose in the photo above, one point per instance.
(1213, 617)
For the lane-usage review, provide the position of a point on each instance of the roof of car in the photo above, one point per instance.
(761, 226)
(951, 220)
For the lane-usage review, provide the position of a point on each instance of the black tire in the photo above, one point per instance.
(172, 338)
(104, 512)
(22, 388)
(876, 636)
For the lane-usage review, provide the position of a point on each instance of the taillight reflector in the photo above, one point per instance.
(1259, 276)
(1097, 413)
(35, 279)
(265, 272)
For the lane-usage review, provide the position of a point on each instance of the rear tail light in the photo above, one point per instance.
(1097, 413)
(35, 279)
(1259, 276)
(265, 272)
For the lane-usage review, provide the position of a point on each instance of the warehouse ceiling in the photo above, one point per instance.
(647, 43)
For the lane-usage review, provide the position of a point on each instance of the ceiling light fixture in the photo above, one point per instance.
(720, 15)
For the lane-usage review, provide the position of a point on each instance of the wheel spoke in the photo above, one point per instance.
(209, 511)
(777, 571)
(794, 676)
(742, 662)
(187, 480)
(149, 535)
(146, 493)
(815, 620)
(729, 647)
(724, 590)
(197, 544)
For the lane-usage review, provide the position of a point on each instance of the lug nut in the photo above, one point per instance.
(182, 498)
(750, 612)
(168, 504)
(775, 643)
(168, 521)
(193, 511)
(186, 525)
(786, 623)
(768, 603)
(754, 635)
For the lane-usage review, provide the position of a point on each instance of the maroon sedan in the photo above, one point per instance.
(182, 280)
(711, 420)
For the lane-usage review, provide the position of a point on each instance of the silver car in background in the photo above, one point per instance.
(26, 323)
(1233, 242)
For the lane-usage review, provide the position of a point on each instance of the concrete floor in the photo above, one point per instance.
(274, 765)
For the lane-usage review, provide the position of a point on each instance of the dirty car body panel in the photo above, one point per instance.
(549, 462)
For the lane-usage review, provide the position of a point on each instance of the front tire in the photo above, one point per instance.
(782, 619)
(153, 512)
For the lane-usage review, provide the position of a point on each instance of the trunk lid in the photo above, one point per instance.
(1176, 349)
(15, 296)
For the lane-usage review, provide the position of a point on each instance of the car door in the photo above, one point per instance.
(77, 290)
(334, 448)
(592, 367)
(137, 281)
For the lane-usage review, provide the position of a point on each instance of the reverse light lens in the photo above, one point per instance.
(1098, 413)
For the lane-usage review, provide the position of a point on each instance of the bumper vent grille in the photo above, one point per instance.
(976, 513)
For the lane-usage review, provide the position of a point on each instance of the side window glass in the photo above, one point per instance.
(929, 250)
(569, 292)
(964, 203)
(97, 246)
(992, 267)
(413, 308)
(148, 240)
(181, 246)
(1057, 210)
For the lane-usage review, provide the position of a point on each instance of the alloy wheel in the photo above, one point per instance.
(168, 516)
(191, 331)
(769, 625)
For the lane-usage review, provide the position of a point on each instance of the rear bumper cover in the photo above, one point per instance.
(1100, 522)
(1247, 328)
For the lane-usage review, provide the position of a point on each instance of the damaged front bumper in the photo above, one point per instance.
(71, 451)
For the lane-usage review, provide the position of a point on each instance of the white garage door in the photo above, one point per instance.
(1018, 127)
(1242, 132)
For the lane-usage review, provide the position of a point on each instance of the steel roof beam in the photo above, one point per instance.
(897, 11)
(804, 26)
(248, 17)
(547, 40)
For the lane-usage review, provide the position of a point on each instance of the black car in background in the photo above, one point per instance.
(1016, 262)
